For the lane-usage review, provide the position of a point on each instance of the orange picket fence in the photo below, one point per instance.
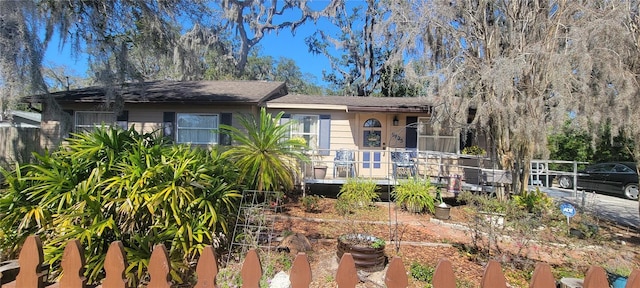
(31, 272)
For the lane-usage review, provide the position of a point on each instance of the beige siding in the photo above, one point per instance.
(145, 117)
(346, 133)
(341, 126)
(341, 131)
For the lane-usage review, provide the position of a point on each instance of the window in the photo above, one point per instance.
(445, 141)
(623, 169)
(307, 127)
(372, 133)
(601, 168)
(197, 128)
(86, 121)
(315, 129)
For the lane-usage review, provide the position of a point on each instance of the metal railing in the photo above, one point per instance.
(475, 173)
(438, 167)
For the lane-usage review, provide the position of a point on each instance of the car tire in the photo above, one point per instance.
(565, 182)
(631, 191)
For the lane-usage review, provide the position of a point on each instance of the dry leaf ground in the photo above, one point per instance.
(418, 238)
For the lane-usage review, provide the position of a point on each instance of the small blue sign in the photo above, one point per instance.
(567, 209)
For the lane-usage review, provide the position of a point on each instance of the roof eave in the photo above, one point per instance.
(306, 106)
(280, 91)
(412, 109)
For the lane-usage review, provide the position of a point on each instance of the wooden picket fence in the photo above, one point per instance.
(31, 275)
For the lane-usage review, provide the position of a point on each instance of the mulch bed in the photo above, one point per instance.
(424, 241)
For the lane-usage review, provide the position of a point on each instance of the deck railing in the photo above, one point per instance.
(438, 167)
(31, 273)
(379, 163)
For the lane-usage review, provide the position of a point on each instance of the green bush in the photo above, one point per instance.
(311, 203)
(421, 272)
(115, 184)
(534, 201)
(484, 202)
(415, 193)
(474, 150)
(359, 193)
(343, 207)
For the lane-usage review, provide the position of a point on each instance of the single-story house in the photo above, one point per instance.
(351, 136)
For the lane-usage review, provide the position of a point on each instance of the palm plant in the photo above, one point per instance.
(266, 157)
(116, 184)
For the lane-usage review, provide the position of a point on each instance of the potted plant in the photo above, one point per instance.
(319, 166)
(356, 195)
(367, 250)
(415, 195)
(442, 210)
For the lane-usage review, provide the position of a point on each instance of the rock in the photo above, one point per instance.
(363, 275)
(280, 280)
(571, 283)
(296, 243)
(378, 277)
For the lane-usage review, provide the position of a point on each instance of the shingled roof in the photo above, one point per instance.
(191, 92)
(354, 103)
(262, 93)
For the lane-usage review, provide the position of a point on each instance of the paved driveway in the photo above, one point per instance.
(620, 210)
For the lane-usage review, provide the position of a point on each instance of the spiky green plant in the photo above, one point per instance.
(358, 193)
(115, 184)
(415, 193)
(266, 157)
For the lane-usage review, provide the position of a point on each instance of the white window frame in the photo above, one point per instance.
(86, 127)
(211, 130)
(312, 136)
(425, 132)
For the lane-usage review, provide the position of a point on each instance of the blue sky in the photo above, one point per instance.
(279, 45)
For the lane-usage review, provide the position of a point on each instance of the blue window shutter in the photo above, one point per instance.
(412, 132)
(224, 138)
(324, 136)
